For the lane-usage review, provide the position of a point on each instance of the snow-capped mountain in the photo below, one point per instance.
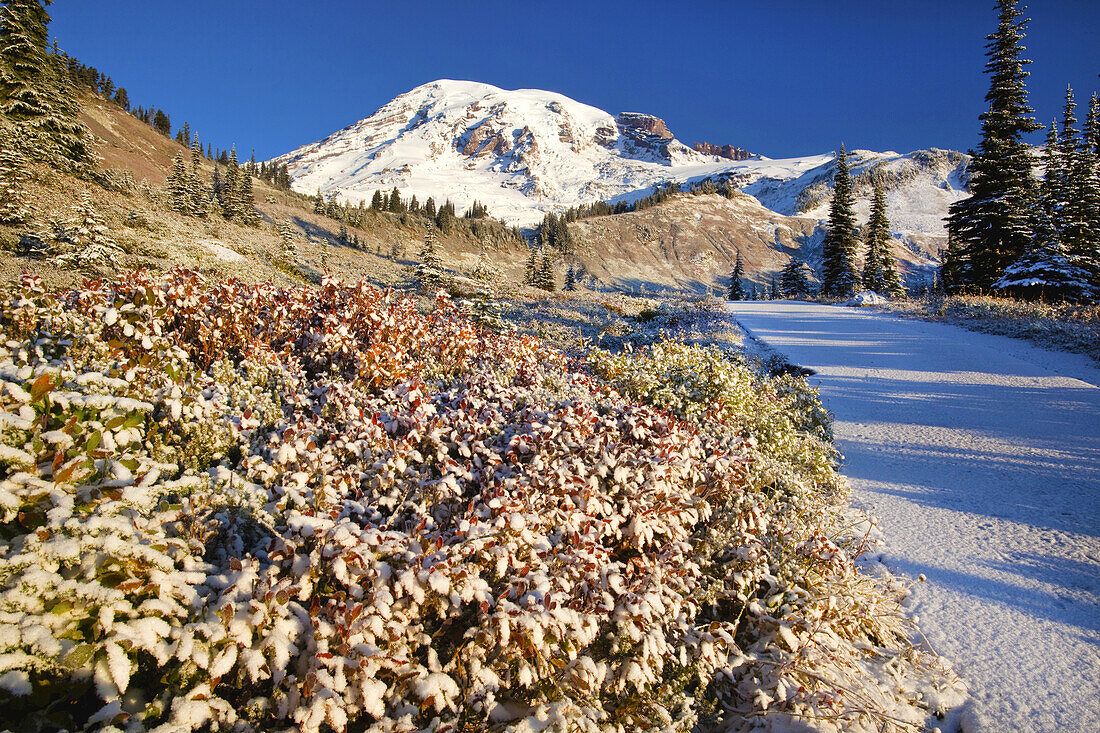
(527, 152)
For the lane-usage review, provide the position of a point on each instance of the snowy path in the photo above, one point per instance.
(981, 457)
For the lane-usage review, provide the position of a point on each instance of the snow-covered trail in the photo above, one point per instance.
(980, 455)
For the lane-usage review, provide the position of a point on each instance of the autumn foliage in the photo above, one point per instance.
(227, 506)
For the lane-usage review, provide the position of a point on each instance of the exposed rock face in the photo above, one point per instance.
(723, 151)
(646, 136)
(638, 122)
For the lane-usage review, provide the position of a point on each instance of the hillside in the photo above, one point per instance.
(135, 211)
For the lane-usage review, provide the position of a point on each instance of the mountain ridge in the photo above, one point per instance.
(528, 152)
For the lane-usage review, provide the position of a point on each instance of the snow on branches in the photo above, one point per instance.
(231, 506)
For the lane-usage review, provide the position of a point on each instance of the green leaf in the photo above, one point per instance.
(133, 420)
(62, 607)
(80, 657)
(93, 442)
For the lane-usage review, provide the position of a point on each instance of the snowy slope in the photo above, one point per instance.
(527, 152)
(981, 457)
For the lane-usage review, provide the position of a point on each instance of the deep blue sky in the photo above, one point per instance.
(778, 78)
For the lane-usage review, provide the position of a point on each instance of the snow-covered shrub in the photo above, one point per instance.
(235, 507)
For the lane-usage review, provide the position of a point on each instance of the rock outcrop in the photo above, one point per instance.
(729, 152)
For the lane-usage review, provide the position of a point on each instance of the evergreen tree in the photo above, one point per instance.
(1081, 212)
(36, 89)
(839, 276)
(992, 228)
(318, 203)
(753, 293)
(545, 277)
(880, 272)
(217, 186)
(794, 281)
(736, 289)
(231, 189)
(773, 292)
(122, 98)
(246, 201)
(86, 242)
(179, 191)
(429, 207)
(13, 176)
(430, 271)
(162, 123)
(530, 270)
(1046, 272)
(395, 204)
(197, 192)
(570, 279)
(287, 234)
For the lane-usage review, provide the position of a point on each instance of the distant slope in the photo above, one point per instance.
(528, 152)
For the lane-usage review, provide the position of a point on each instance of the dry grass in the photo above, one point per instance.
(1064, 327)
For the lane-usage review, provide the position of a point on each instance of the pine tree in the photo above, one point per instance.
(992, 228)
(429, 207)
(1083, 246)
(794, 281)
(395, 204)
(318, 203)
(839, 276)
(197, 192)
(36, 89)
(217, 186)
(773, 292)
(13, 176)
(231, 189)
(530, 270)
(178, 189)
(570, 279)
(880, 272)
(247, 203)
(288, 237)
(86, 242)
(736, 289)
(430, 271)
(546, 279)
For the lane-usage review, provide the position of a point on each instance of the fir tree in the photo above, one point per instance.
(230, 198)
(773, 291)
(736, 289)
(318, 203)
(246, 201)
(880, 272)
(197, 192)
(570, 279)
(179, 192)
(794, 281)
(162, 123)
(430, 271)
(429, 207)
(217, 186)
(992, 228)
(377, 203)
(1081, 235)
(530, 270)
(395, 205)
(86, 242)
(122, 98)
(13, 176)
(839, 276)
(36, 89)
(545, 277)
(288, 236)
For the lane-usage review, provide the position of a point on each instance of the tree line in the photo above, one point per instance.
(1015, 235)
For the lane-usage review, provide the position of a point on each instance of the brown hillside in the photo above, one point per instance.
(137, 214)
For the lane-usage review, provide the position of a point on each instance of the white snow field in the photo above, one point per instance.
(980, 455)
